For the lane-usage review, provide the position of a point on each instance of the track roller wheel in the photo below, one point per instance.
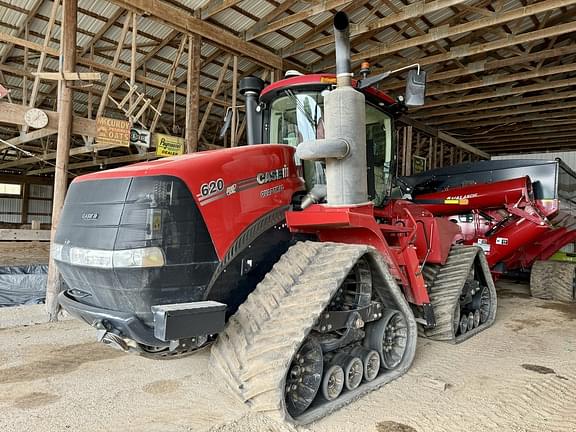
(463, 324)
(353, 369)
(477, 318)
(470, 320)
(371, 361)
(333, 382)
(388, 337)
(304, 377)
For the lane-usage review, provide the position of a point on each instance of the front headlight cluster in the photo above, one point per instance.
(128, 258)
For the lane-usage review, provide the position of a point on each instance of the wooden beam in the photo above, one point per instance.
(169, 80)
(483, 65)
(107, 25)
(512, 120)
(68, 76)
(492, 80)
(43, 53)
(30, 136)
(503, 113)
(501, 92)
(66, 110)
(439, 33)
(174, 17)
(215, 93)
(414, 10)
(193, 93)
(76, 151)
(466, 50)
(428, 114)
(14, 114)
(29, 17)
(216, 6)
(104, 98)
(269, 27)
(101, 67)
(534, 131)
(489, 144)
(101, 161)
(443, 136)
(24, 235)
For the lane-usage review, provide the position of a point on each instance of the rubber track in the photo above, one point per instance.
(255, 350)
(445, 283)
(553, 280)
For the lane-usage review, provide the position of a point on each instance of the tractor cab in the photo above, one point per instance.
(291, 111)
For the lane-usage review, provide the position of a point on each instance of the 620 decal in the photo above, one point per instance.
(212, 187)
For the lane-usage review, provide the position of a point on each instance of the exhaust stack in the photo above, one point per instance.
(344, 146)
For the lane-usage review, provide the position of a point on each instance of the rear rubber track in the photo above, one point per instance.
(255, 350)
(553, 280)
(445, 284)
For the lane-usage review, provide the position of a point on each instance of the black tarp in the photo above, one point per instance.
(21, 285)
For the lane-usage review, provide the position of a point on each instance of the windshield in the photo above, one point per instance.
(298, 116)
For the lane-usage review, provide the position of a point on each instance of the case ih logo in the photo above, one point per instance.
(89, 216)
(270, 176)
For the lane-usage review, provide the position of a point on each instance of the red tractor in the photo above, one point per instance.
(290, 254)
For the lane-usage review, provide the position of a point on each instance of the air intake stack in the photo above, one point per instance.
(344, 146)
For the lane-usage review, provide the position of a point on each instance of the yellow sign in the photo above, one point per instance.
(418, 164)
(112, 132)
(167, 145)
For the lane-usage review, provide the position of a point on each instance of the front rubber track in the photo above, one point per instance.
(255, 350)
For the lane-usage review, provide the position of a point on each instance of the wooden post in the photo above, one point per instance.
(133, 56)
(65, 103)
(193, 93)
(25, 203)
(234, 110)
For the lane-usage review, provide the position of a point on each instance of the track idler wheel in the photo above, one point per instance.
(370, 359)
(388, 336)
(304, 377)
(333, 382)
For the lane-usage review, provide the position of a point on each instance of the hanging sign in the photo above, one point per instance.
(167, 145)
(140, 137)
(112, 132)
(418, 164)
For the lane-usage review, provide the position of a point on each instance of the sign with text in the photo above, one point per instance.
(112, 132)
(167, 145)
(140, 137)
(418, 164)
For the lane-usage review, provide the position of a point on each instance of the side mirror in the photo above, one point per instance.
(415, 88)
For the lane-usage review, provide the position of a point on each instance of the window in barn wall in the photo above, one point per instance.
(10, 189)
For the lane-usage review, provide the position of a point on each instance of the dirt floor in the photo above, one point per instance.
(520, 375)
(24, 253)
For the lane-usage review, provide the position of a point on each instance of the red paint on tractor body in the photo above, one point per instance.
(241, 200)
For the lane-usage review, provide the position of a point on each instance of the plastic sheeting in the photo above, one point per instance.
(21, 285)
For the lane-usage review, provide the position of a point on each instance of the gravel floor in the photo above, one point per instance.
(520, 375)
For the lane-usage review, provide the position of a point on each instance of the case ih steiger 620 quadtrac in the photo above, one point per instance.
(290, 255)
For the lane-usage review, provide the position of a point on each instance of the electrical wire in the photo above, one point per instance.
(27, 153)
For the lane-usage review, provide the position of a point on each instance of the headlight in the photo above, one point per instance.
(144, 257)
(129, 258)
